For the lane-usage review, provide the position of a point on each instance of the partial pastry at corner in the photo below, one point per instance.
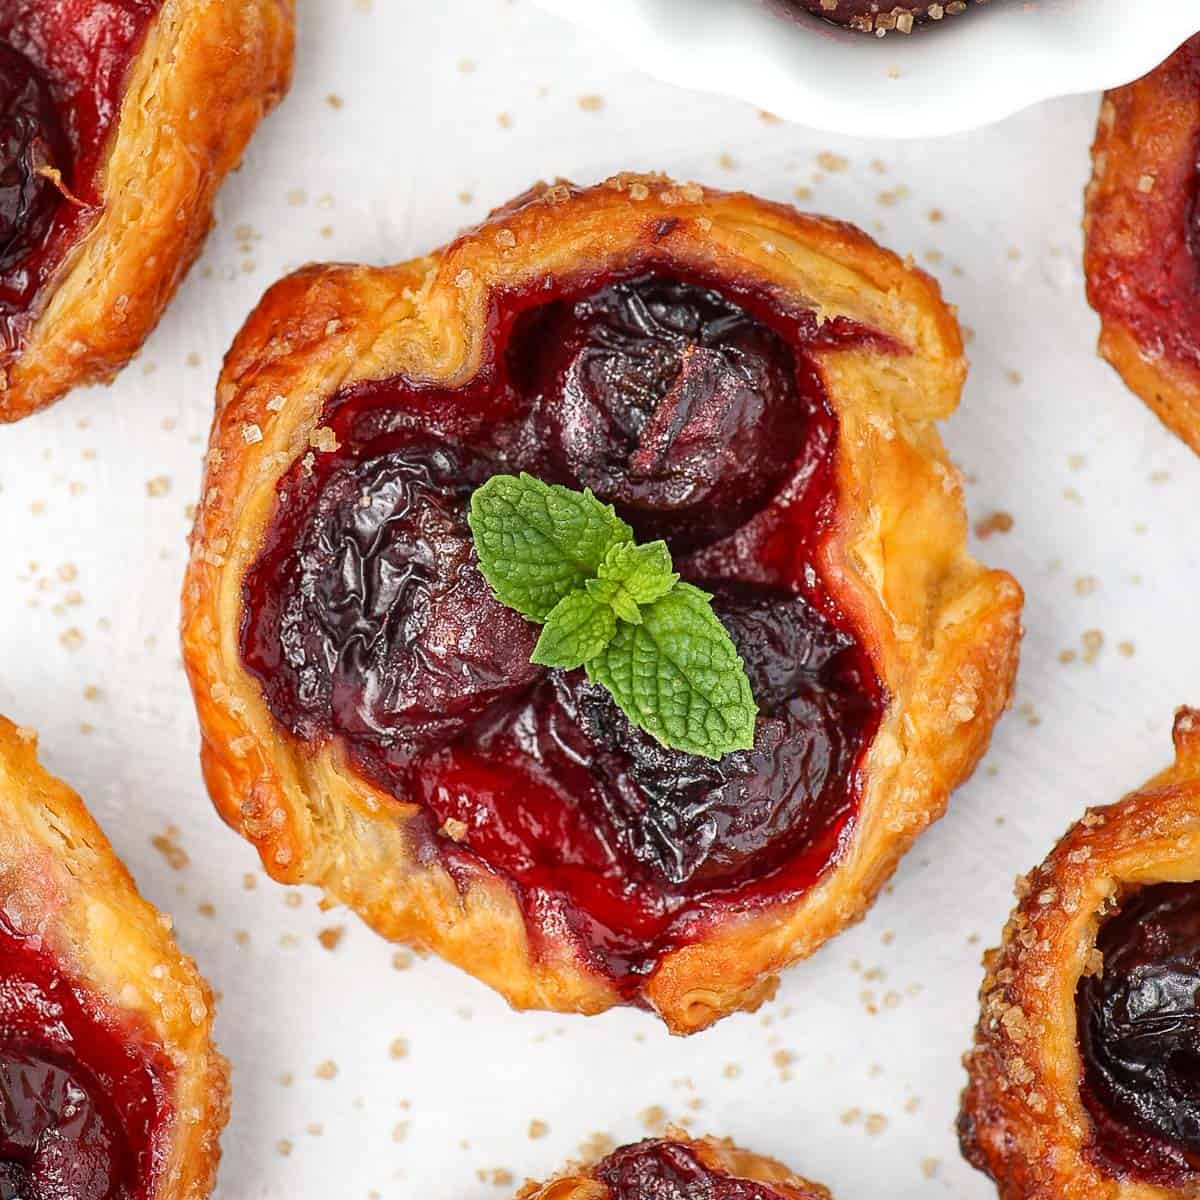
(677, 1167)
(1142, 251)
(1082, 1080)
(118, 121)
(109, 1084)
(755, 392)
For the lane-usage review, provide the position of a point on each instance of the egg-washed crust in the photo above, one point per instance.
(61, 880)
(578, 1181)
(1145, 172)
(1022, 1119)
(942, 630)
(207, 73)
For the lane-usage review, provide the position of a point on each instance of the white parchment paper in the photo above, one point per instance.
(409, 120)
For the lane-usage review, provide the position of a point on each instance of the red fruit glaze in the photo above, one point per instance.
(63, 65)
(699, 413)
(83, 1101)
(662, 1170)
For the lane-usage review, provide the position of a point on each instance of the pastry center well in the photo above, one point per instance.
(366, 617)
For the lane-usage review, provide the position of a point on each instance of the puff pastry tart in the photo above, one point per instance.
(758, 388)
(118, 121)
(1083, 1079)
(678, 1168)
(110, 1088)
(1142, 251)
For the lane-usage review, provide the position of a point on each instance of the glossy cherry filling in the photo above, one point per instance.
(1139, 1034)
(63, 65)
(662, 1170)
(700, 415)
(82, 1102)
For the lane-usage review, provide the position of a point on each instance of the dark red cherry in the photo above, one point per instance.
(386, 622)
(666, 399)
(32, 145)
(662, 1170)
(1139, 1034)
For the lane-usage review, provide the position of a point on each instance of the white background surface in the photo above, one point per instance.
(416, 151)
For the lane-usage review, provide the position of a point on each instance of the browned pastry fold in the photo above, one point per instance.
(1025, 1119)
(205, 75)
(941, 630)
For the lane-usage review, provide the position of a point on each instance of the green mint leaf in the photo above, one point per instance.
(678, 676)
(612, 593)
(644, 572)
(578, 628)
(538, 542)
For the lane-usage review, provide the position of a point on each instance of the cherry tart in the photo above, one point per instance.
(678, 1168)
(118, 121)
(881, 17)
(1142, 250)
(756, 387)
(110, 1088)
(1082, 1081)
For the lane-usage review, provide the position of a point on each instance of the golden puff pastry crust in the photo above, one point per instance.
(68, 901)
(1142, 248)
(941, 631)
(1029, 1118)
(629, 1173)
(204, 75)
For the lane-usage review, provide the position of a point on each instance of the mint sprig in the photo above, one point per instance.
(615, 608)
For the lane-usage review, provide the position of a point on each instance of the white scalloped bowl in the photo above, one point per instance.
(965, 72)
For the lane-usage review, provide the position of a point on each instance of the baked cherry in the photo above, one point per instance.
(663, 1170)
(1139, 1034)
(668, 400)
(82, 1100)
(32, 146)
(385, 623)
(366, 617)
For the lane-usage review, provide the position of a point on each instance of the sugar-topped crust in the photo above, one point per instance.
(1137, 208)
(578, 1181)
(207, 73)
(942, 630)
(1022, 1118)
(60, 880)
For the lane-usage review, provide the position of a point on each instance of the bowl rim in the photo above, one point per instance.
(983, 66)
